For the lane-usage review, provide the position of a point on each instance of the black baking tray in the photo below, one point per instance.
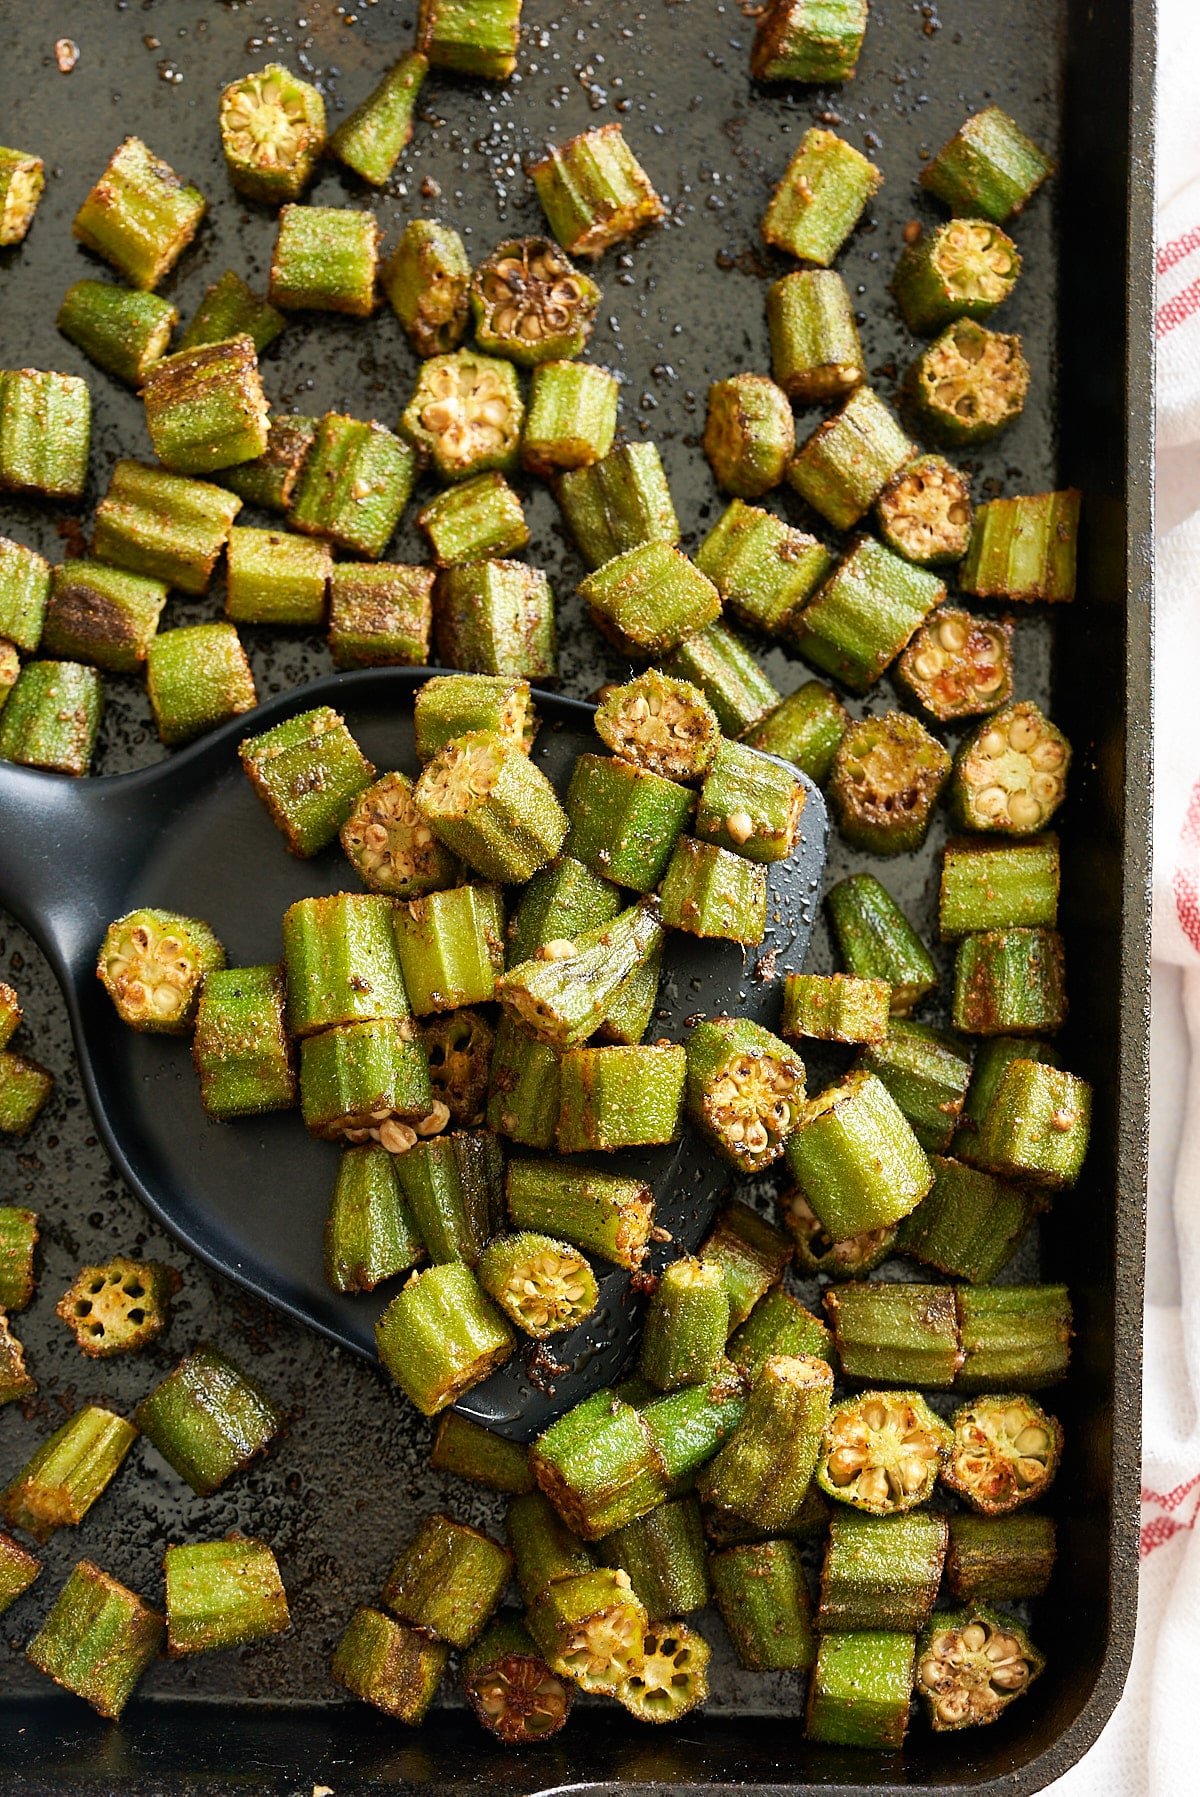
(684, 307)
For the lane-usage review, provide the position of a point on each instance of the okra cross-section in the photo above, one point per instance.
(888, 774)
(957, 666)
(594, 191)
(205, 407)
(385, 1663)
(272, 133)
(763, 1470)
(448, 1580)
(153, 965)
(496, 617)
(222, 1594)
(325, 260)
(620, 1097)
(882, 1451)
(649, 598)
(466, 414)
(860, 1690)
(969, 384)
(45, 433)
(591, 1628)
(598, 1466)
(971, 1664)
(661, 724)
(513, 1692)
(896, 1334)
(441, 1335)
(1006, 1452)
(814, 41)
(139, 216)
(881, 1572)
(354, 485)
(1024, 548)
(963, 269)
(531, 304)
(989, 168)
(543, 1285)
(924, 512)
(98, 1640)
(208, 1420)
(63, 1477)
(380, 614)
(52, 716)
(1010, 773)
(855, 1157)
(120, 1307)
(763, 1598)
(820, 199)
(489, 804)
(308, 772)
(763, 569)
(624, 820)
(817, 1253)
(745, 1090)
(458, 1047)
(617, 503)
(607, 1214)
(673, 1679)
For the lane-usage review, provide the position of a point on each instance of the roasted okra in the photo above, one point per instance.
(1024, 548)
(22, 179)
(222, 1594)
(971, 1664)
(888, 774)
(618, 503)
(162, 526)
(120, 330)
(120, 1307)
(380, 614)
(814, 41)
(426, 279)
(594, 191)
(208, 1420)
(750, 435)
(205, 407)
(511, 1689)
(820, 199)
(865, 614)
(308, 772)
(139, 216)
(371, 139)
(97, 1641)
(470, 37)
(882, 1451)
(969, 383)
(988, 169)
(354, 485)
(816, 355)
(496, 617)
(272, 133)
(45, 433)
(197, 677)
(326, 259)
(231, 309)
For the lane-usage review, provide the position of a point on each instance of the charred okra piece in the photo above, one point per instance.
(888, 774)
(778, 1324)
(727, 673)
(648, 599)
(488, 803)
(857, 623)
(121, 331)
(308, 772)
(51, 717)
(969, 383)
(451, 947)
(764, 1469)
(957, 666)
(61, 1481)
(1010, 982)
(860, 1689)
(882, 1451)
(1010, 774)
(673, 1679)
(531, 304)
(380, 614)
(999, 886)
(543, 1285)
(989, 168)
(18, 1240)
(371, 139)
(816, 355)
(1024, 548)
(470, 37)
(441, 1335)
(1006, 1452)
(448, 1581)
(197, 677)
(474, 521)
(153, 965)
(881, 1572)
(855, 1157)
(466, 414)
(496, 617)
(591, 1628)
(572, 417)
(18, 1571)
(25, 1087)
(749, 435)
(231, 309)
(45, 433)
(511, 1689)
(451, 705)
(369, 1234)
(275, 577)
(999, 1557)
(120, 1307)
(816, 1251)
(270, 480)
(663, 1553)
(595, 192)
(750, 803)
(688, 1426)
(618, 503)
(821, 197)
(751, 1254)
(924, 514)
(661, 724)
(139, 216)
(745, 1090)
(272, 133)
(805, 729)
(366, 1082)
(22, 179)
(453, 1187)
(621, 1097)
(927, 1073)
(708, 891)
(24, 590)
(341, 962)
(472, 1452)
(15, 1378)
(598, 1466)
(163, 526)
(969, 1225)
(222, 1594)
(426, 279)
(385, 1663)
(763, 1598)
(354, 485)
(896, 1334)
(102, 615)
(208, 1420)
(325, 259)
(562, 903)
(523, 1087)
(458, 1047)
(964, 269)
(625, 821)
(205, 408)
(837, 1007)
(1014, 1336)
(603, 1213)
(804, 40)
(683, 1341)
(97, 1641)
(763, 569)
(1036, 1127)
(844, 466)
(544, 1549)
(971, 1664)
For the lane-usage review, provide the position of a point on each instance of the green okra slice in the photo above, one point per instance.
(969, 383)
(749, 434)
(1015, 1337)
(745, 1090)
(881, 1572)
(222, 1594)
(882, 1451)
(380, 614)
(763, 569)
(231, 309)
(661, 724)
(896, 1334)
(441, 1335)
(688, 1426)
(488, 803)
(763, 1598)
(1036, 1127)
(924, 514)
(453, 1184)
(197, 677)
(458, 1047)
(865, 614)
(270, 480)
(24, 591)
(448, 1580)
(1010, 982)
(153, 965)
(276, 577)
(208, 1420)
(726, 671)
(97, 1641)
(120, 330)
(25, 1088)
(472, 1452)
(624, 820)
(763, 1470)
(572, 417)
(816, 1251)
(591, 1628)
(466, 414)
(308, 772)
(814, 41)
(752, 1255)
(61, 1481)
(10, 668)
(805, 729)
(326, 259)
(513, 1692)
(19, 1237)
(496, 617)
(120, 1307)
(530, 303)
(835, 1007)
(620, 1097)
(544, 1549)
(22, 179)
(998, 886)
(750, 803)
(723, 1528)
(778, 1324)
(102, 615)
(927, 1073)
(594, 191)
(474, 521)
(648, 599)
(426, 279)
(861, 1688)
(957, 666)
(367, 1082)
(687, 1322)
(1024, 548)
(988, 168)
(15, 1378)
(205, 407)
(163, 526)
(816, 355)
(451, 946)
(663, 1554)
(341, 962)
(45, 433)
(523, 1087)
(876, 940)
(673, 1679)
(451, 705)
(709, 891)
(606, 1214)
(354, 485)
(969, 1225)
(618, 503)
(139, 216)
(971, 1664)
(598, 1466)
(543, 1285)
(470, 37)
(963, 269)
(272, 133)
(994, 1056)
(52, 716)
(1006, 1452)
(385, 1663)
(370, 141)
(855, 1157)
(844, 466)
(821, 197)
(1001, 1558)
(1010, 773)
(888, 775)
(18, 1571)
(633, 1005)
(561, 903)
(369, 1235)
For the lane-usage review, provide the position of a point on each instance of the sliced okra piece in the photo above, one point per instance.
(1006, 1452)
(624, 820)
(385, 1663)
(708, 891)
(882, 1451)
(451, 705)
(441, 1335)
(881, 1572)
(120, 330)
(723, 1528)
(1010, 982)
(354, 485)
(25, 1087)
(969, 1225)
(807, 40)
(562, 903)
(1036, 1127)
(453, 1184)
(989, 168)
(531, 304)
(964, 269)
(448, 1581)
(45, 433)
(663, 1553)
(618, 503)
(876, 940)
(153, 965)
(835, 1007)
(102, 615)
(598, 1466)
(22, 179)
(745, 1090)
(426, 279)
(924, 514)
(162, 526)
(957, 666)
(458, 1047)
(1014, 1336)
(819, 1255)
(763, 1470)
(821, 197)
(52, 716)
(10, 668)
(688, 1426)
(762, 1594)
(470, 37)
(763, 569)
(572, 417)
(994, 1056)
(856, 1159)
(61, 1481)
(222, 1594)
(726, 671)
(341, 962)
(208, 1420)
(380, 614)
(648, 599)
(998, 886)
(19, 1237)
(749, 435)
(511, 1689)
(120, 1307)
(860, 1689)
(603, 1213)
(371, 139)
(205, 407)
(544, 1549)
(474, 521)
(277, 577)
(778, 1324)
(661, 724)
(594, 191)
(816, 355)
(231, 309)
(272, 133)
(472, 1452)
(523, 1087)
(805, 729)
(687, 1322)
(971, 1664)
(673, 1679)
(543, 1285)
(197, 676)
(620, 1097)
(865, 613)
(270, 480)
(326, 259)
(750, 803)
(367, 1082)
(18, 1571)
(927, 1073)
(496, 617)
(1024, 548)
(591, 1628)
(999, 1557)
(97, 1641)
(630, 1011)
(24, 591)
(15, 1379)
(969, 383)
(888, 774)
(139, 216)
(308, 772)
(896, 1334)
(1010, 773)
(466, 414)
(451, 947)
(487, 802)
(369, 1234)
(752, 1255)
(844, 466)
